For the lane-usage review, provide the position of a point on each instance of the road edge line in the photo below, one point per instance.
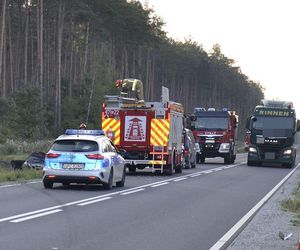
(228, 237)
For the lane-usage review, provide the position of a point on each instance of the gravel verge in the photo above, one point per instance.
(263, 230)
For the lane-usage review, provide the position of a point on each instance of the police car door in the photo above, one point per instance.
(117, 160)
(108, 153)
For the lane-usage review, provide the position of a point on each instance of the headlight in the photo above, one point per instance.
(252, 150)
(224, 146)
(287, 152)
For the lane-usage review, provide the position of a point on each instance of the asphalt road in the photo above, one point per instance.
(192, 210)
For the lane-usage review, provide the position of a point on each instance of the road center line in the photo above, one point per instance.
(181, 179)
(133, 191)
(195, 175)
(36, 216)
(94, 201)
(161, 184)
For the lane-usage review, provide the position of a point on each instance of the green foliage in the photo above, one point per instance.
(28, 174)
(17, 147)
(101, 42)
(293, 205)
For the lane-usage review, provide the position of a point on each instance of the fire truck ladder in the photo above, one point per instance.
(158, 149)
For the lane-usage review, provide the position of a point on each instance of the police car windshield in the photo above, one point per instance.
(75, 146)
(211, 123)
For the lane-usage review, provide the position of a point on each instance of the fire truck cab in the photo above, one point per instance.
(216, 133)
(147, 134)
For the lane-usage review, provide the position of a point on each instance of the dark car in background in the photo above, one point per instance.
(189, 149)
(35, 160)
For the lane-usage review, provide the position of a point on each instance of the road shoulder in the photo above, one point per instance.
(263, 231)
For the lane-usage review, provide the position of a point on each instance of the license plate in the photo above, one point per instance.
(73, 166)
(269, 155)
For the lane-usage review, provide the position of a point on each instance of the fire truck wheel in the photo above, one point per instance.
(188, 164)
(202, 159)
(178, 169)
(193, 165)
(132, 169)
(168, 169)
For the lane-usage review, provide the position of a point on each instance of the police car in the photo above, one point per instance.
(84, 156)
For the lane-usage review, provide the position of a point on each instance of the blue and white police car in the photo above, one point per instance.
(84, 156)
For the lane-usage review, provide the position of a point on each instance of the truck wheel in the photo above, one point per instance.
(178, 169)
(132, 169)
(228, 159)
(250, 163)
(202, 159)
(187, 165)
(197, 158)
(168, 169)
(233, 159)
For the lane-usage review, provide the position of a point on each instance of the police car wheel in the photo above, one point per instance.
(109, 184)
(48, 184)
(122, 182)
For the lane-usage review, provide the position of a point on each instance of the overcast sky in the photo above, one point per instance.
(262, 36)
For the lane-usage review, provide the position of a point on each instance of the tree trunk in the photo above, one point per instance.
(2, 42)
(61, 12)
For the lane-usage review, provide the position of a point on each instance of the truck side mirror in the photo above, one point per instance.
(298, 125)
(248, 123)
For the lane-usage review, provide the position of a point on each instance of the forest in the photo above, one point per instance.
(58, 58)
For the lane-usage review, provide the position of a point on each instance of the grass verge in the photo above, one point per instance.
(7, 175)
(293, 205)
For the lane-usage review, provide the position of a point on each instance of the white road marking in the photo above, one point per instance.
(225, 240)
(180, 179)
(161, 184)
(36, 216)
(11, 185)
(33, 182)
(94, 201)
(133, 191)
(196, 175)
(208, 172)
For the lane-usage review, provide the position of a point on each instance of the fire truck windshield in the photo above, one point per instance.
(211, 123)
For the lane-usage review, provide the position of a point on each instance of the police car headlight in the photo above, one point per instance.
(287, 152)
(252, 150)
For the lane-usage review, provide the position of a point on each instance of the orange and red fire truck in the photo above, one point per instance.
(147, 134)
(216, 133)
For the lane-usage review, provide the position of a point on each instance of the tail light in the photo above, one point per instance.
(52, 155)
(186, 151)
(95, 156)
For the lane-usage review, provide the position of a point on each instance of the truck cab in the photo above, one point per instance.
(272, 129)
(216, 132)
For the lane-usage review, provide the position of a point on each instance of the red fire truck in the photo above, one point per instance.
(216, 133)
(147, 134)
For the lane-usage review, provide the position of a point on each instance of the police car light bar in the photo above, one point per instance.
(84, 132)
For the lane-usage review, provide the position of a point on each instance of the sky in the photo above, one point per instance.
(262, 36)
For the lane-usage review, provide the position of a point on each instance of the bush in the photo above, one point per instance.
(14, 147)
